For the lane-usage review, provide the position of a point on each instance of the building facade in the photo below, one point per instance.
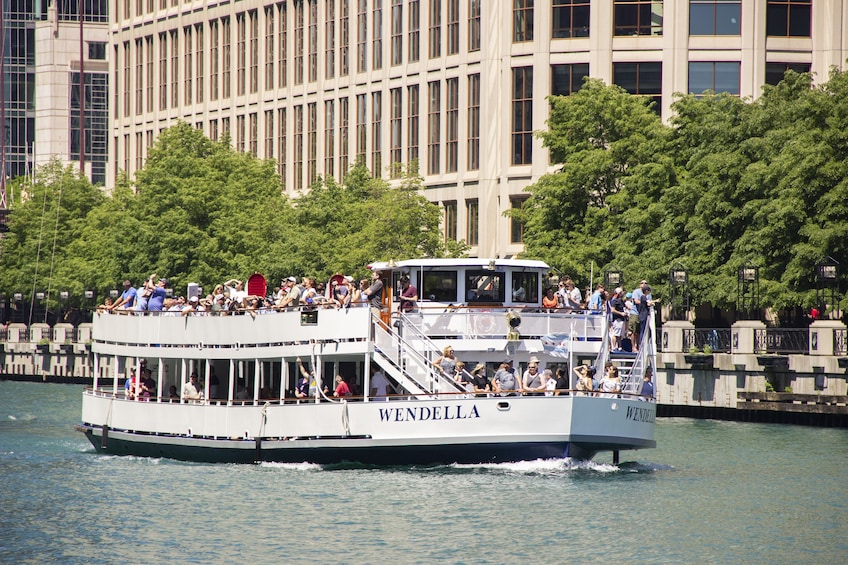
(41, 59)
(457, 86)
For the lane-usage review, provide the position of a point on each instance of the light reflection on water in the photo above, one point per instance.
(711, 492)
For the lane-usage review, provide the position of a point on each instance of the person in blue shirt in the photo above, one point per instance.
(127, 299)
(647, 385)
(157, 297)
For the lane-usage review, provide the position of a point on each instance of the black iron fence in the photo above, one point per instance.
(777, 340)
(717, 339)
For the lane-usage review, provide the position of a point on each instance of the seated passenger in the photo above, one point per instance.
(342, 388)
(479, 380)
(147, 385)
(549, 301)
(173, 395)
(611, 383)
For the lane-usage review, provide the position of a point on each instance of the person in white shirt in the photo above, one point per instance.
(379, 384)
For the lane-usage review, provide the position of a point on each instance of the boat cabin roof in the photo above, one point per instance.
(468, 262)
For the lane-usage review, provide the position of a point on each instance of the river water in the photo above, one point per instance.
(711, 492)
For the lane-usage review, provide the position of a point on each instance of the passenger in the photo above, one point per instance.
(308, 296)
(191, 390)
(219, 305)
(218, 292)
(173, 395)
(549, 382)
(585, 373)
(301, 390)
(572, 297)
(131, 385)
(374, 293)
(463, 377)
(361, 299)
(321, 297)
(532, 380)
(237, 293)
(339, 292)
(447, 362)
(408, 296)
(647, 385)
(480, 382)
(157, 295)
(549, 301)
(147, 385)
(105, 307)
(518, 293)
(292, 296)
(562, 386)
(611, 383)
(378, 384)
(505, 382)
(627, 342)
(127, 299)
(619, 318)
(278, 294)
(342, 389)
(598, 298)
(142, 295)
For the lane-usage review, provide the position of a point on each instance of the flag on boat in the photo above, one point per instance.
(557, 344)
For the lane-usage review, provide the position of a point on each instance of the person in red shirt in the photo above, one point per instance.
(341, 387)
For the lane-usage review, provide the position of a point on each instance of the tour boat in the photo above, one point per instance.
(247, 365)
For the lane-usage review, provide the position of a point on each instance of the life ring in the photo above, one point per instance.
(484, 323)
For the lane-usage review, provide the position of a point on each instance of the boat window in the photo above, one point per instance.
(439, 286)
(525, 287)
(484, 286)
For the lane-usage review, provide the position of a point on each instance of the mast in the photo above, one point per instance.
(3, 203)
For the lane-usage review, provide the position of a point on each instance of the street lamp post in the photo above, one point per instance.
(748, 291)
(678, 279)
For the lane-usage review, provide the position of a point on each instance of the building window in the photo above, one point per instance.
(570, 19)
(213, 60)
(566, 79)
(282, 136)
(139, 76)
(473, 122)
(775, 71)
(412, 131)
(450, 221)
(240, 134)
(641, 79)
(362, 37)
(344, 54)
(522, 115)
(715, 17)
(298, 147)
(199, 62)
(241, 54)
(330, 39)
(361, 128)
(213, 129)
(376, 134)
(472, 221)
(395, 143)
(188, 63)
(175, 69)
(269, 134)
(452, 141)
(126, 77)
(638, 17)
(474, 25)
(453, 27)
(148, 46)
(96, 112)
(435, 28)
(163, 73)
(312, 135)
(225, 126)
(253, 16)
(298, 43)
(397, 32)
(433, 128)
(414, 31)
(226, 58)
(254, 134)
(516, 228)
(522, 21)
(313, 40)
(377, 45)
(97, 50)
(284, 48)
(329, 139)
(788, 18)
(344, 137)
(716, 77)
(270, 52)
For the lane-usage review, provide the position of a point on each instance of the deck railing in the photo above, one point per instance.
(778, 340)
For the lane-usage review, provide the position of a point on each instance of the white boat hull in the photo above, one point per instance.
(400, 432)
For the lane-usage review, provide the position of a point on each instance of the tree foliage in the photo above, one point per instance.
(729, 182)
(201, 212)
